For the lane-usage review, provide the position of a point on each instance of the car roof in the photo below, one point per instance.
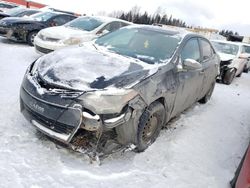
(227, 42)
(107, 19)
(56, 13)
(168, 30)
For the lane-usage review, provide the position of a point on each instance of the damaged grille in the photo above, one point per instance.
(50, 124)
(55, 90)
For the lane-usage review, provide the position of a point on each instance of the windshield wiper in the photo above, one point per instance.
(94, 46)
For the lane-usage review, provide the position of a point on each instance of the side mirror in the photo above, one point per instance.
(191, 64)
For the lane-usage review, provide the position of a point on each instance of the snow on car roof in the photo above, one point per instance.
(169, 30)
(228, 42)
(108, 19)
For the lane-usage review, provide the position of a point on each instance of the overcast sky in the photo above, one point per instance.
(218, 14)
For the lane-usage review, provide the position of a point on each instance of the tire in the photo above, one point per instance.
(150, 125)
(246, 69)
(239, 75)
(229, 76)
(208, 95)
(30, 37)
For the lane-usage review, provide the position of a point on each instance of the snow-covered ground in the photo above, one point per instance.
(201, 149)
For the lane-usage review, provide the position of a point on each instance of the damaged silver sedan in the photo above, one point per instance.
(119, 90)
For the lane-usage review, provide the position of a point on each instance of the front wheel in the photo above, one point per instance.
(30, 38)
(150, 124)
(229, 76)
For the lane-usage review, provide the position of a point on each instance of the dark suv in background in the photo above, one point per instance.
(25, 29)
(18, 12)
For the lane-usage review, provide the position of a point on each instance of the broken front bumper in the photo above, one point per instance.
(58, 122)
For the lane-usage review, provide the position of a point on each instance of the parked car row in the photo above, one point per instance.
(116, 83)
(79, 30)
(120, 80)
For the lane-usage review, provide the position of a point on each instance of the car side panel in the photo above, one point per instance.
(239, 64)
(189, 89)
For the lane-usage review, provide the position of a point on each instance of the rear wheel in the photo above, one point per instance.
(229, 76)
(150, 124)
(30, 38)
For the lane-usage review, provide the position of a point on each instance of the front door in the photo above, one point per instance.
(190, 81)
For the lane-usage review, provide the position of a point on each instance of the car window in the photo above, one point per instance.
(112, 26)
(207, 50)
(124, 24)
(43, 16)
(26, 13)
(69, 18)
(191, 50)
(85, 23)
(59, 20)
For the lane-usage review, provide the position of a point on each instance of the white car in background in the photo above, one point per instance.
(79, 30)
(234, 59)
(246, 49)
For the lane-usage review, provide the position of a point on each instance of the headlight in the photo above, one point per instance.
(72, 40)
(108, 101)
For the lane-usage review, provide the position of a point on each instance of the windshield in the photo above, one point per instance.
(147, 45)
(85, 23)
(14, 11)
(43, 16)
(226, 48)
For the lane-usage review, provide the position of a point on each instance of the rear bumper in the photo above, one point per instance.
(56, 121)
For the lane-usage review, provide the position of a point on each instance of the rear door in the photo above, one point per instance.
(190, 81)
(209, 61)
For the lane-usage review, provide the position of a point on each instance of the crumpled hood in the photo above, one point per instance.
(226, 57)
(62, 32)
(88, 69)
